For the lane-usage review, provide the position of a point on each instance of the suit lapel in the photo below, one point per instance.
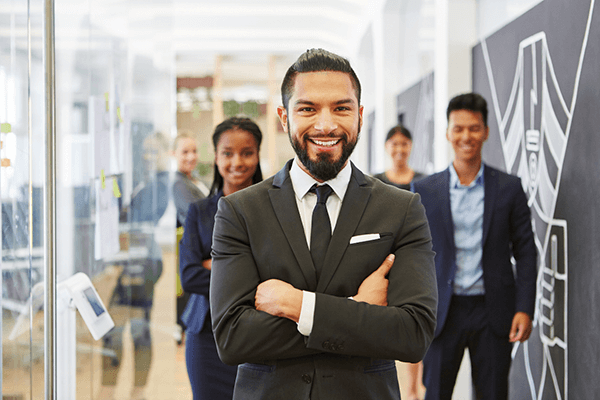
(490, 182)
(286, 209)
(446, 208)
(355, 200)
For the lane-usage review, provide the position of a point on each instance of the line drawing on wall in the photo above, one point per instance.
(534, 131)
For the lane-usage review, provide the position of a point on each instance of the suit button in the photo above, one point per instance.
(340, 347)
(450, 283)
(326, 345)
(306, 378)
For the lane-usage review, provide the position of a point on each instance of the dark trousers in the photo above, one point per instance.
(210, 378)
(466, 327)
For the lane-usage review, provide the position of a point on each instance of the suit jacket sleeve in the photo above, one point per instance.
(524, 252)
(404, 329)
(242, 333)
(193, 250)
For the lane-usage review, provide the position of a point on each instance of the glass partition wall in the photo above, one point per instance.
(115, 109)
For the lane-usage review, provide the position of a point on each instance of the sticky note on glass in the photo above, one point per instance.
(5, 127)
(106, 99)
(116, 190)
(119, 116)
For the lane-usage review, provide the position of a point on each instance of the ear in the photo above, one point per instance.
(487, 133)
(283, 117)
(360, 117)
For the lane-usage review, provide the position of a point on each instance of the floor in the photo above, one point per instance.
(168, 375)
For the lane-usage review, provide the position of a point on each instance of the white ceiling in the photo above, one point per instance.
(245, 32)
(248, 31)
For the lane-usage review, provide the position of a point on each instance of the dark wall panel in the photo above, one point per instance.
(540, 77)
(415, 111)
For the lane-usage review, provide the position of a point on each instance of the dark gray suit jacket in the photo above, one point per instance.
(258, 235)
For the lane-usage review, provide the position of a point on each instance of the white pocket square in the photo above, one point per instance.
(364, 238)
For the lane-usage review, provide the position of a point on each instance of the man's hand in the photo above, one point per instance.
(521, 328)
(374, 288)
(279, 299)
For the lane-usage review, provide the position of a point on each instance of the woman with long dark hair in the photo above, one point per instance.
(237, 144)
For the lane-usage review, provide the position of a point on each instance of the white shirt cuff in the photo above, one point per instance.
(307, 313)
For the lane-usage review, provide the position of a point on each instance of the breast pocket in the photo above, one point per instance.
(360, 260)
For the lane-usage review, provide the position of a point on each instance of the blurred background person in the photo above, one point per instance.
(131, 301)
(398, 144)
(237, 143)
(187, 188)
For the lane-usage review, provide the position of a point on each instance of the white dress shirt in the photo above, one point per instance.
(306, 201)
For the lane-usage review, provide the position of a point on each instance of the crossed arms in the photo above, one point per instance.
(281, 299)
(256, 290)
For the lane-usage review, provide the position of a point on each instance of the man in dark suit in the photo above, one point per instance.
(479, 219)
(307, 320)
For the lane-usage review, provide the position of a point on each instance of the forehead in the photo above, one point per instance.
(323, 86)
(464, 117)
(237, 138)
(398, 137)
(186, 142)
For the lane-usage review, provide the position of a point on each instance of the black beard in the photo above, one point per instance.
(324, 168)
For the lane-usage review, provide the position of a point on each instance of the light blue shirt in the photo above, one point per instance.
(466, 204)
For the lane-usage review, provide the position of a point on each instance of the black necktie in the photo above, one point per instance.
(320, 232)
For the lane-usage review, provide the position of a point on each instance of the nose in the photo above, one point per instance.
(325, 122)
(237, 161)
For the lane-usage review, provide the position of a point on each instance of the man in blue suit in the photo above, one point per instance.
(479, 220)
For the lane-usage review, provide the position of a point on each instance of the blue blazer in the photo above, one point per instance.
(507, 233)
(194, 248)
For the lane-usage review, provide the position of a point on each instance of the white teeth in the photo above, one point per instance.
(327, 143)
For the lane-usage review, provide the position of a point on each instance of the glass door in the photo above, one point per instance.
(115, 118)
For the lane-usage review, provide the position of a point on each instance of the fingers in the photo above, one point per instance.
(521, 327)
(519, 334)
(513, 337)
(386, 266)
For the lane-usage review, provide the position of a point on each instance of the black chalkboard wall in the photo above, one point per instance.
(541, 77)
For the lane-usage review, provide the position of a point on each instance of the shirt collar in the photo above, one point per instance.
(455, 182)
(302, 181)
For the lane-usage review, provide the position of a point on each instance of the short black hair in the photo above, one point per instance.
(315, 60)
(243, 124)
(401, 129)
(468, 101)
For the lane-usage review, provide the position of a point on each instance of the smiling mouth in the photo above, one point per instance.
(325, 143)
(237, 173)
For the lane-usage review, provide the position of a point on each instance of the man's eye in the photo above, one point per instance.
(306, 109)
(343, 108)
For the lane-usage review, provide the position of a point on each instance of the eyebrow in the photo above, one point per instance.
(249, 147)
(310, 103)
